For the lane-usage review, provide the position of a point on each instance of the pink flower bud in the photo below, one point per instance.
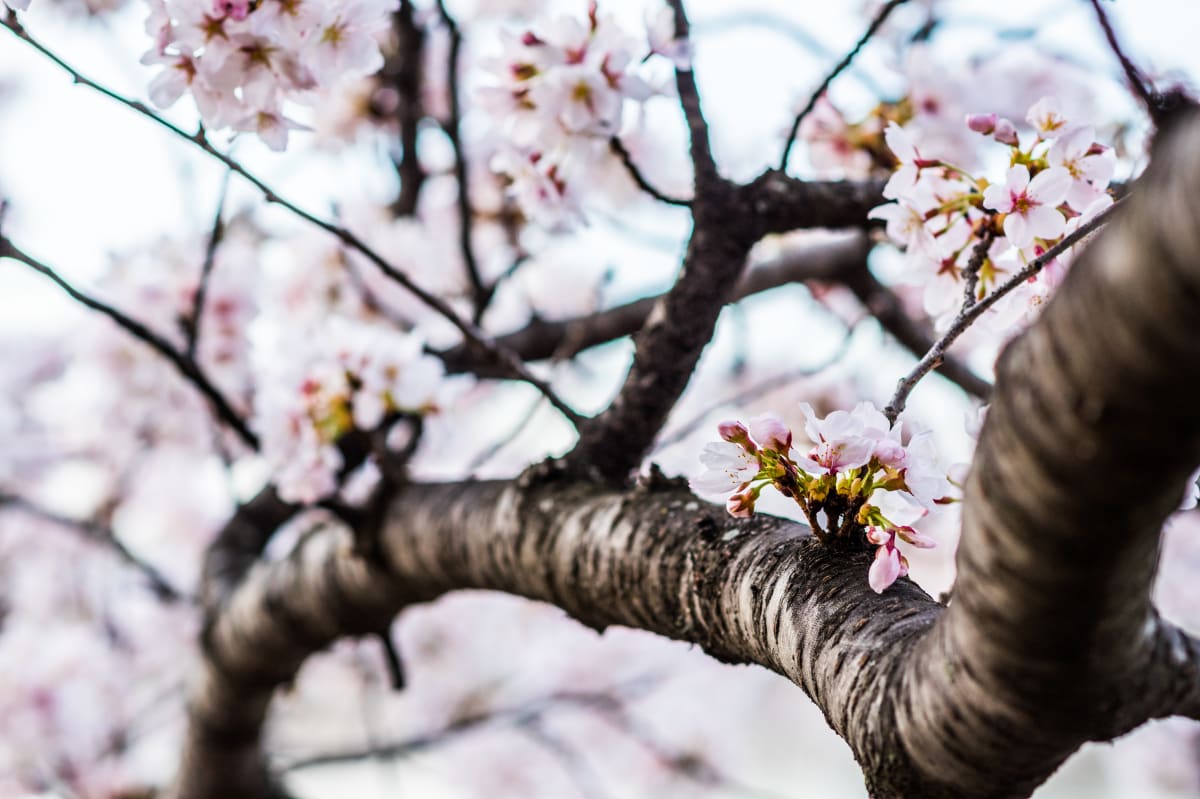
(771, 433)
(741, 504)
(982, 123)
(736, 433)
(1006, 133)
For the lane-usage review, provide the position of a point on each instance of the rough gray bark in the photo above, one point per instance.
(1050, 641)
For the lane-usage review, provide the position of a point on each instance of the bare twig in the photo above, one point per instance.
(186, 367)
(978, 256)
(402, 71)
(689, 98)
(760, 388)
(471, 332)
(618, 148)
(481, 294)
(192, 325)
(517, 715)
(967, 316)
(872, 29)
(1137, 82)
(97, 532)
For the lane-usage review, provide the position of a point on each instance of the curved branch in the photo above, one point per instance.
(1051, 640)
(756, 590)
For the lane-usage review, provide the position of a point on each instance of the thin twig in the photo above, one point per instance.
(517, 715)
(872, 29)
(1137, 83)
(94, 531)
(618, 149)
(760, 388)
(186, 367)
(978, 256)
(192, 327)
(513, 365)
(402, 71)
(481, 294)
(967, 316)
(689, 99)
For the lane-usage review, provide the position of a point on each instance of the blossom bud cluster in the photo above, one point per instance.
(241, 60)
(1056, 181)
(357, 375)
(856, 474)
(558, 93)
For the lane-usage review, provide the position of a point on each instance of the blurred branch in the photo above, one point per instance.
(192, 326)
(473, 722)
(480, 293)
(689, 99)
(477, 338)
(882, 303)
(187, 368)
(103, 535)
(403, 71)
(618, 148)
(872, 29)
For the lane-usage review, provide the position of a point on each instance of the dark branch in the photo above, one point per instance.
(481, 294)
(471, 332)
(192, 327)
(103, 535)
(187, 368)
(970, 313)
(403, 71)
(618, 149)
(872, 29)
(689, 98)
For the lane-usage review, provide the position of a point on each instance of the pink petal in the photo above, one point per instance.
(1050, 186)
(884, 570)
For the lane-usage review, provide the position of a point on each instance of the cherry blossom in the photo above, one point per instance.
(1029, 206)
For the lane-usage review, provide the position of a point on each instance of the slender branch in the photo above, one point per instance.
(542, 339)
(473, 722)
(481, 294)
(192, 327)
(970, 313)
(872, 29)
(759, 389)
(93, 531)
(1137, 82)
(618, 148)
(689, 98)
(187, 368)
(403, 70)
(471, 332)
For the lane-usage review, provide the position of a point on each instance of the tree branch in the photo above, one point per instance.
(403, 71)
(841, 66)
(1051, 640)
(542, 339)
(187, 368)
(93, 531)
(618, 148)
(471, 332)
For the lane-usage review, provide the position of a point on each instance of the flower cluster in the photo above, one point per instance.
(857, 474)
(559, 93)
(940, 213)
(358, 375)
(242, 60)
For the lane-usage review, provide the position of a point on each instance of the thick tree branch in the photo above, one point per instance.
(756, 590)
(1051, 640)
(403, 70)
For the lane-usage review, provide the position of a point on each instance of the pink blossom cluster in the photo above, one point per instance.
(354, 377)
(558, 94)
(242, 60)
(857, 474)
(1057, 180)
